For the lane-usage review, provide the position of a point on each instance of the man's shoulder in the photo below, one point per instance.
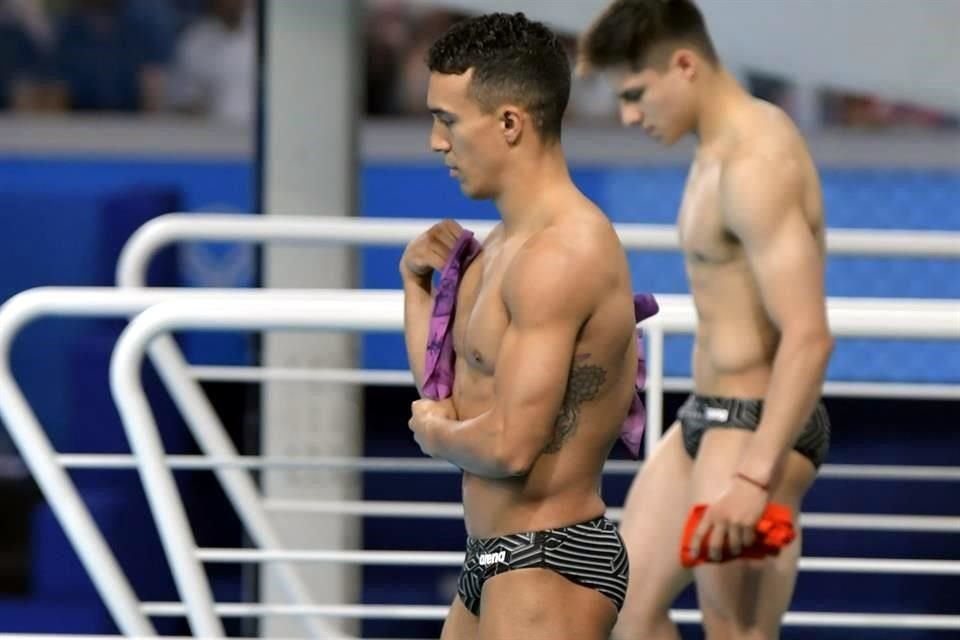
(551, 250)
(768, 169)
(756, 161)
(761, 187)
(580, 242)
(769, 145)
(554, 265)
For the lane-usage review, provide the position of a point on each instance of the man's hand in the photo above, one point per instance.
(732, 517)
(429, 251)
(425, 254)
(426, 414)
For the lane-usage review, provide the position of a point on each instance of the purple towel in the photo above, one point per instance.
(438, 372)
(644, 306)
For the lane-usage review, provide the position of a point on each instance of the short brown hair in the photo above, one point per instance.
(635, 33)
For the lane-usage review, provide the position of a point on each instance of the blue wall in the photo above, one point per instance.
(64, 223)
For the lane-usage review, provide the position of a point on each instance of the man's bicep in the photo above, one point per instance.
(788, 266)
(548, 301)
(762, 202)
(531, 377)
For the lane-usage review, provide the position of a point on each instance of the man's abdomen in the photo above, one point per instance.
(733, 353)
(494, 507)
(735, 340)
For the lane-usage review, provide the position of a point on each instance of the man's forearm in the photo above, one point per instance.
(417, 309)
(475, 445)
(795, 388)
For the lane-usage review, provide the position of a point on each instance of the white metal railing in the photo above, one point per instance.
(38, 453)
(173, 227)
(450, 510)
(421, 465)
(70, 510)
(361, 311)
(685, 616)
(164, 230)
(930, 318)
(368, 557)
(55, 636)
(848, 317)
(884, 311)
(397, 377)
(141, 426)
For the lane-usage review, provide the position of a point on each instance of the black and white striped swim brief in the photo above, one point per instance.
(590, 554)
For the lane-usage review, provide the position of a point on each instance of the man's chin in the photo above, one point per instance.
(471, 193)
(671, 140)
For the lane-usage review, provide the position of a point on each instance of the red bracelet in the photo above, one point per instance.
(750, 480)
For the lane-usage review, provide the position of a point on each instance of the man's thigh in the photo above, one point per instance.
(539, 604)
(653, 518)
(460, 623)
(750, 594)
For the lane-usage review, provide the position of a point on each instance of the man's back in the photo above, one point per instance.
(511, 273)
(736, 338)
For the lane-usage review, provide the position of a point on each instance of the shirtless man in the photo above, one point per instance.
(751, 229)
(544, 336)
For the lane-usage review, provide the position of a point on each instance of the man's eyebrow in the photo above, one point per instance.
(440, 112)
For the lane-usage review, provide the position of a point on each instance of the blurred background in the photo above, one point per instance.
(197, 58)
(113, 112)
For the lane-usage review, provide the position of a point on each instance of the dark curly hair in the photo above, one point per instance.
(513, 60)
(643, 33)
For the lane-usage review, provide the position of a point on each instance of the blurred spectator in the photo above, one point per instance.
(32, 16)
(846, 109)
(112, 55)
(772, 88)
(389, 32)
(414, 76)
(398, 36)
(216, 64)
(26, 56)
(592, 98)
(126, 55)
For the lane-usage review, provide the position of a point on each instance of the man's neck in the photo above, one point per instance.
(720, 101)
(527, 185)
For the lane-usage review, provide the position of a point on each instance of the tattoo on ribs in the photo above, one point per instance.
(583, 385)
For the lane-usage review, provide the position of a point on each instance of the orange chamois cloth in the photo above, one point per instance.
(774, 531)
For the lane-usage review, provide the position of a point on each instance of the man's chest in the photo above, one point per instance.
(482, 319)
(704, 235)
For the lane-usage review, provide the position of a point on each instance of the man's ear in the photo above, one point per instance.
(687, 61)
(513, 119)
